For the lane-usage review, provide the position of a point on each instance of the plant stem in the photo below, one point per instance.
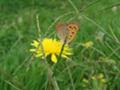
(50, 72)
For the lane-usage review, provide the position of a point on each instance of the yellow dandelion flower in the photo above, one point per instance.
(100, 76)
(88, 44)
(103, 81)
(51, 47)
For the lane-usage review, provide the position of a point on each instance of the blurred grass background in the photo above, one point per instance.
(99, 22)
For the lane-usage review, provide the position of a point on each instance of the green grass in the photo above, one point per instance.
(20, 71)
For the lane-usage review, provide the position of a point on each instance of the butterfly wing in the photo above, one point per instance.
(72, 31)
(62, 31)
(67, 31)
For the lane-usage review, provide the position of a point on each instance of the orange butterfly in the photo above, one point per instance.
(67, 32)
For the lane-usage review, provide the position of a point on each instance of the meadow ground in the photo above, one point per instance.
(95, 63)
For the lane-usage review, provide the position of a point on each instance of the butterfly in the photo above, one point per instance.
(67, 32)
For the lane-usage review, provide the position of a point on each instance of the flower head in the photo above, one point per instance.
(51, 47)
(88, 44)
(100, 77)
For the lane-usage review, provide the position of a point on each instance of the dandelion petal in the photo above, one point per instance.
(54, 58)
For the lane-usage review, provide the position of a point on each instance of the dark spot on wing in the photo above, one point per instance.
(71, 35)
(72, 32)
(70, 27)
(75, 27)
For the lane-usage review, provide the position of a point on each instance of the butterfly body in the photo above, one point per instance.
(67, 32)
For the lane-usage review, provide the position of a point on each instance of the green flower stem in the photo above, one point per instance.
(50, 72)
(52, 79)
